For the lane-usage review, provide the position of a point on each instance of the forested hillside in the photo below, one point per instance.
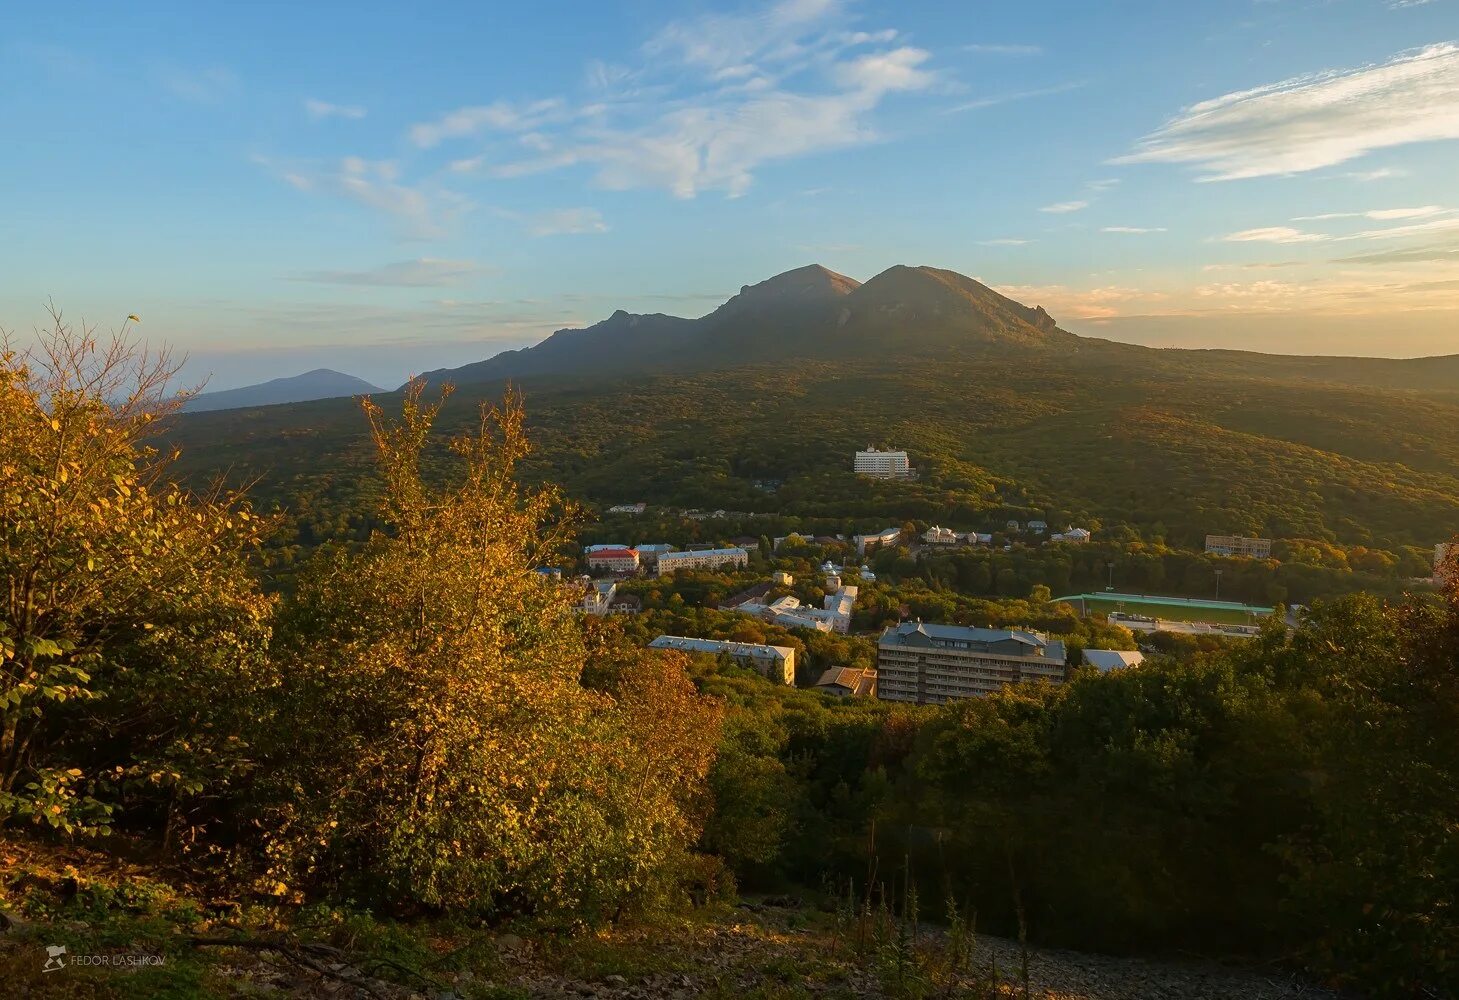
(371, 772)
(1165, 454)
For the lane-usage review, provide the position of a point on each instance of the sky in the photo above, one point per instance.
(387, 188)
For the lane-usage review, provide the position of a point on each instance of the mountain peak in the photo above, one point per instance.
(811, 286)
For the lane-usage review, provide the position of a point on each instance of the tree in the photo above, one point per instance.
(437, 744)
(131, 625)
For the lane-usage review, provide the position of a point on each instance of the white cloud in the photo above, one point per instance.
(567, 221)
(1064, 207)
(1004, 243)
(716, 98)
(1273, 234)
(502, 116)
(1020, 95)
(1005, 50)
(420, 212)
(1133, 230)
(317, 109)
(202, 86)
(1377, 215)
(1380, 174)
(423, 272)
(1314, 121)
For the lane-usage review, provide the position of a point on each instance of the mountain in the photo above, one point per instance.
(810, 312)
(903, 314)
(321, 383)
(1006, 416)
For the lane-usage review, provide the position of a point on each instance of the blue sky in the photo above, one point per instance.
(275, 186)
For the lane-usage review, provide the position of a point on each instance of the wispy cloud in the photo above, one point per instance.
(1005, 242)
(1379, 174)
(424, 272)
(1004, 50)
(716, 98)
(1314, 121)
(1412, 255)
(567, 221)
(1273, 234)
(317, 110)
(1377, 215)
(1064, 207)
(423, 211)
(200, 86)
(1133, 230)
(993, 100)
(501, 116)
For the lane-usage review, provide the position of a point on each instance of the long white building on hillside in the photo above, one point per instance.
(668, 562)
(777, 663)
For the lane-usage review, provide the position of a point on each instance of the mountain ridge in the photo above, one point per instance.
(320, 383)
(807, 312)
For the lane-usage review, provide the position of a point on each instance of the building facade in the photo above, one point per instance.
(934, 664)
(882, 464)
(1239, 545)
(614, 560)
(669, 562)
(848, 682)
(776, 663)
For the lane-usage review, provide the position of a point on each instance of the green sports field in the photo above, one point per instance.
(1178, 609)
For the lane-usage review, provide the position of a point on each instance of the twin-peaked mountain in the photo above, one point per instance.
(807, 313)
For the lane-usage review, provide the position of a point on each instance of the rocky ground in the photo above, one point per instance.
(129, 935)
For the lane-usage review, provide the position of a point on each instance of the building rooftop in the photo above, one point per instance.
(689, 645)
(619, 553)
(960, 636)
(1105, 660)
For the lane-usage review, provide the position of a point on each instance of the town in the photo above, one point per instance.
(903, 658)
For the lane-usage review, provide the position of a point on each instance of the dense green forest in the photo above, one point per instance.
(420, 725)
(1139, 452)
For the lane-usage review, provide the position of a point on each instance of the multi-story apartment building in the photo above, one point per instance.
(882, 464)
(1239, 545)
(614, 560)
(668, 562)
(776, 663)
(933, 664)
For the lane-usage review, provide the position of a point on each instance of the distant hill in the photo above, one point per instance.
(903, 314)
(810, 312)
(321, 383)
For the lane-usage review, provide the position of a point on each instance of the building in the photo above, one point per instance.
(1239, 545)
(614, 560)
(777, 663)
(1105, 660)
(848, 682)
(590, 549)
(941, 536)
(1077, 535)
(627, 508)
(882, 464)
(648, 555)
(933, 664)
(598, 597)
(550, 572)
(789, 612)
(1038, 527)
(670, 562)
(866, 543)
(980, 538)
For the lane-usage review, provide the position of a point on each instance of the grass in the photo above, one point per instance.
(1179, 612)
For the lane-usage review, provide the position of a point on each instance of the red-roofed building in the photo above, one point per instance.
(614, 560)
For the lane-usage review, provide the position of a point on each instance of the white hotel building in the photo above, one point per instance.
(933, 664)
(882, 464)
